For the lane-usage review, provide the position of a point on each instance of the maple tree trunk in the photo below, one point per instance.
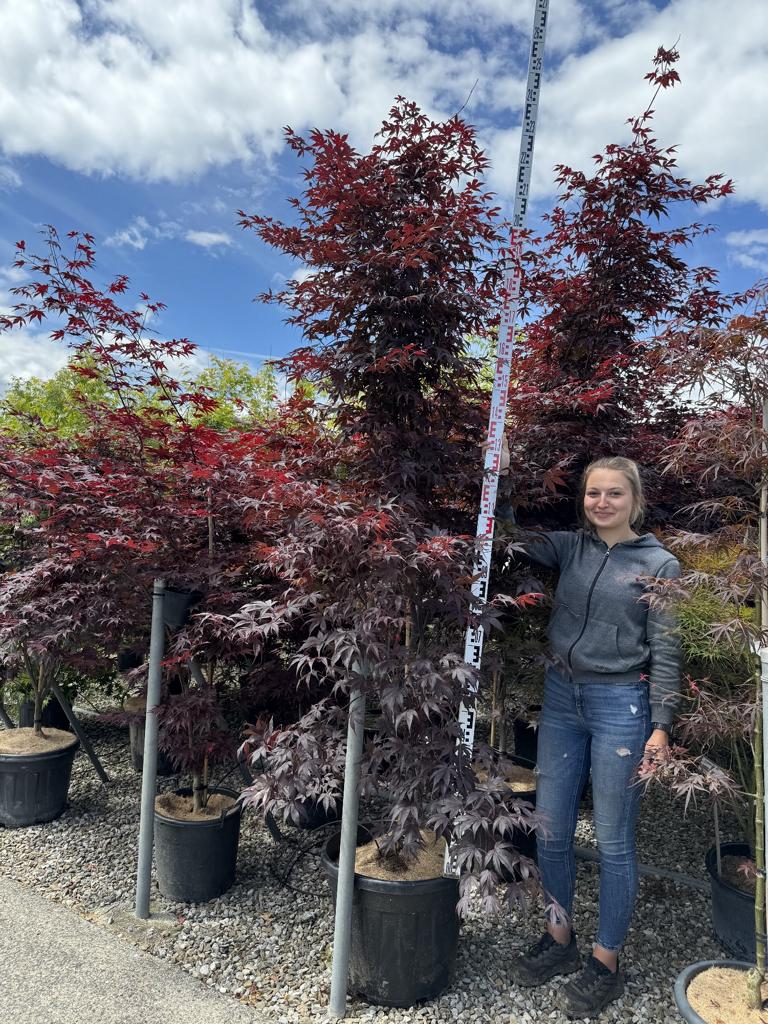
(37, 681)
(494, 708)
(197, 792)
(38, 722)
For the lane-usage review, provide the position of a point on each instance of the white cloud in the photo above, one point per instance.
(302, 274)
(135, 235)
(167, 90)
(758, 236)
(208, 239)
(139, 232)
(24, 352)
(749, 248)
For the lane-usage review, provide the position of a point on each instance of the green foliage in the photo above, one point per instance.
(244, 397)
(55, 404)
(704, 652)
(59, 404)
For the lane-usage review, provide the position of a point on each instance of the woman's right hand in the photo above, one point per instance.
(504, 460)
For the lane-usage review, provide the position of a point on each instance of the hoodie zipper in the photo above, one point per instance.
(589, 601)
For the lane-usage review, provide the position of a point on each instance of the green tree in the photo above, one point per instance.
(54, 404)
(57, 404)
(243, 396)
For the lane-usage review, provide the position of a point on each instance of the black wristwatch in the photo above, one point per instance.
(664, 726)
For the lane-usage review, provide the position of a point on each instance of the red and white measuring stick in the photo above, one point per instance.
(473, 648)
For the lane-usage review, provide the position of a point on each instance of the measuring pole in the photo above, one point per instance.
(473, 647)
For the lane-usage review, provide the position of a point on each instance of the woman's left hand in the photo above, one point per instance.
(656, 749)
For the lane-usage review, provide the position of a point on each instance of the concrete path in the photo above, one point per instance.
(57, 968)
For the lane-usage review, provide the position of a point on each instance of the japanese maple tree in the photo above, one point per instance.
(402, 248)
(606, 289)
(139, 485)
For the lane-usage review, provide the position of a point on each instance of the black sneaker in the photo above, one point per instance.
(544, 960)
(592, 991)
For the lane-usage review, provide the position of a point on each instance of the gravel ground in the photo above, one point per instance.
(270, 946)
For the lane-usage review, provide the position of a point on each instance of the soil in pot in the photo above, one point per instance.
(719, 995)
(179, 806)
(428, 863)
(24, 741)
(734, 873)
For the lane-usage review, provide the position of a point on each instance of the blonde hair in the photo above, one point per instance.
(631, 471)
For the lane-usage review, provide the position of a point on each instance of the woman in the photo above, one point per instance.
(609, 699)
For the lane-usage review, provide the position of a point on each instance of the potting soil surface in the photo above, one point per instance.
(516, 778)
(719, 994)
(180, 807)
(24, 741)
(428, 864)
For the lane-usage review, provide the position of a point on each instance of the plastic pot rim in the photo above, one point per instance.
(686, 976)
(235, 810)
(385, 886)
(43, 755)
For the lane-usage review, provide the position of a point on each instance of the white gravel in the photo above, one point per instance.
(270, 946)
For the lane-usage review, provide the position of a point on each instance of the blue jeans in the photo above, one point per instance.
(606, 726)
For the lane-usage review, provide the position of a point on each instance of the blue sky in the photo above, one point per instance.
(149, 123)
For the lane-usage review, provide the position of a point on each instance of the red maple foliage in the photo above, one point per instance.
(606, 291)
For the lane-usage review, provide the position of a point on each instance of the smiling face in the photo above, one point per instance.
(608, 500)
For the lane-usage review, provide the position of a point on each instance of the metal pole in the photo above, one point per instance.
(77, 728)
(149, 775)
(346, 879)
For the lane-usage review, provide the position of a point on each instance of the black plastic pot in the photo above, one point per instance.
(196, 860)
(404, 934)
(526, 737)
(53, 716)
(128, 659)
(177, 605)
(313, 815)
(34, 787)
(686, 976)
(136, 737)
(733, 911)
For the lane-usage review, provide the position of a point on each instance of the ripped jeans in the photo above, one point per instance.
(605, 726)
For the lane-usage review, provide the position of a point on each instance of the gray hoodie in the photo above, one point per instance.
(600, 628)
